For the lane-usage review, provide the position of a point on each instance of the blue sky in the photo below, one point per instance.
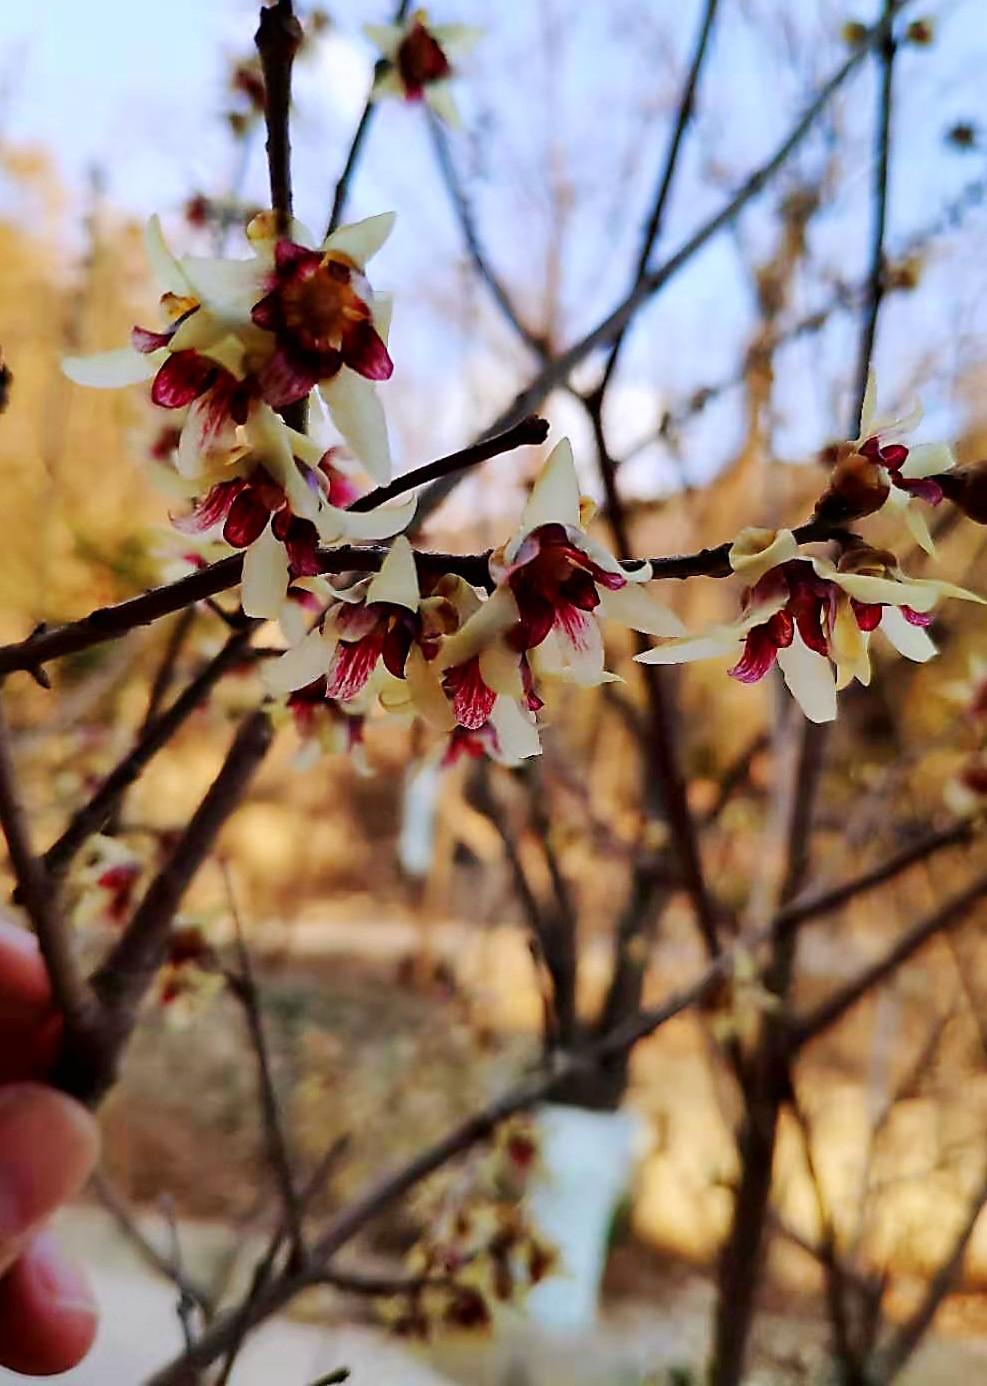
(566, 108)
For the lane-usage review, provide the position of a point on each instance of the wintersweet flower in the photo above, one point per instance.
(239, 334)
(420, 61)
(374, 624)
(554, 582)
(275, 503)
(814, 619)
(877, 470)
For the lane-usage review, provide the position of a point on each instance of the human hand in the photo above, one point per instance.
(48, 1146)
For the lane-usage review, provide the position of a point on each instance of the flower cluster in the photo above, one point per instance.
(814, 618)
(477, 1249)
(470, 664)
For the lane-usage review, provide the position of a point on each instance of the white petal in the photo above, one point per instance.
(200, 329)
(867, 407)
(265, 577)
(109, 370)
(455, 40)
(427, 693)
(357, 413)
(554, 497)
(397, 581)
(229, 287)
(911, 641)
(517, 731)
(755, 552)
(948, 589)
(714, 643)
(386, 37)
(299, 666)
(634, 607)
(810, 681)
(163, 264)
(918, 528)
(927, 459)
(884, 591)
(497, 614)
(361, 240)
(500, 669)
(578, 647)
(849, 647)
(387, 83)
(271, 440)
(383, 311)
(338, 526)
(439, 96)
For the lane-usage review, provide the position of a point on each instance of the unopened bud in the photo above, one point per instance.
(858, 486)
(920, 31)
(966, 487)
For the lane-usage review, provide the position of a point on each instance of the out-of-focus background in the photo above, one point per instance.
(380, 900)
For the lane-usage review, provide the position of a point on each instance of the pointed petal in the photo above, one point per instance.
(810, 681)
(554, 497)
(947, 589)
(911, 641)
(928, 459)
(634, 607)
(885, 591)
(270, 438)
(383, 311)
(867, 407)
(755, 552)
(849, 647)
(397, 581)
(110, 370)
(163, 264)
(265, 577)
(497, 615)
(517, 731)
(918, 528)
(386, 37)
(427, 693)
(440, 98)
(580, 643)
(714, 643)
(229, 287)
(299, 666)
(361, 240)
(339, 526)
(456, 40)
(357, 413)
(501, 670)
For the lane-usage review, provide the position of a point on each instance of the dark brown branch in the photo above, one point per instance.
(123, 978)
(91, 817)
(467, 224)
(683, 116)
(892, 1358)
(110, 622)
(823, 902)
(278, 38)
(828, 1012)
(350, 1221)
(528, 432)
(557, 371)
(734, 777)
(876, 278)
(243, 985)
(165, 674)
(356, 144)
(72, 995)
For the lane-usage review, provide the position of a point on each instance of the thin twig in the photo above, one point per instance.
(278, 38)
(72, 994)
(243, 985)
(558, 370)
(529, 431)
(356, 144)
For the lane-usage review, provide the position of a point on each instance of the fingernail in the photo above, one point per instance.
(57, 1281)
(48, 1145)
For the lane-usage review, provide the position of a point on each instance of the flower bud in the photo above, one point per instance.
(858, 486)
(966, 487)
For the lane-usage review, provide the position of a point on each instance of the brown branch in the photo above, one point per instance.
(876, 279)
(828, 1012)
(684, 113)
(243, 986)
(124, 976)
(803, 908)
(734, 777)
(892, 1358)
(359, 135)
(278, 38)
(91, 817)
(111, 622)
(467, 223)
(350, 1221)
(529, 431)
(72, 995)
(557, 371)
(165, 675)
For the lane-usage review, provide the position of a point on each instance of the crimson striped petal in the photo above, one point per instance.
(246, 519)
(182, 378)
(363, 350)
(213, 507)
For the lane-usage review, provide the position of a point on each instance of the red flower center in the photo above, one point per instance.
(421, 60)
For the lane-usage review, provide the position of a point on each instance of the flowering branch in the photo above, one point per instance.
(558, 369)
